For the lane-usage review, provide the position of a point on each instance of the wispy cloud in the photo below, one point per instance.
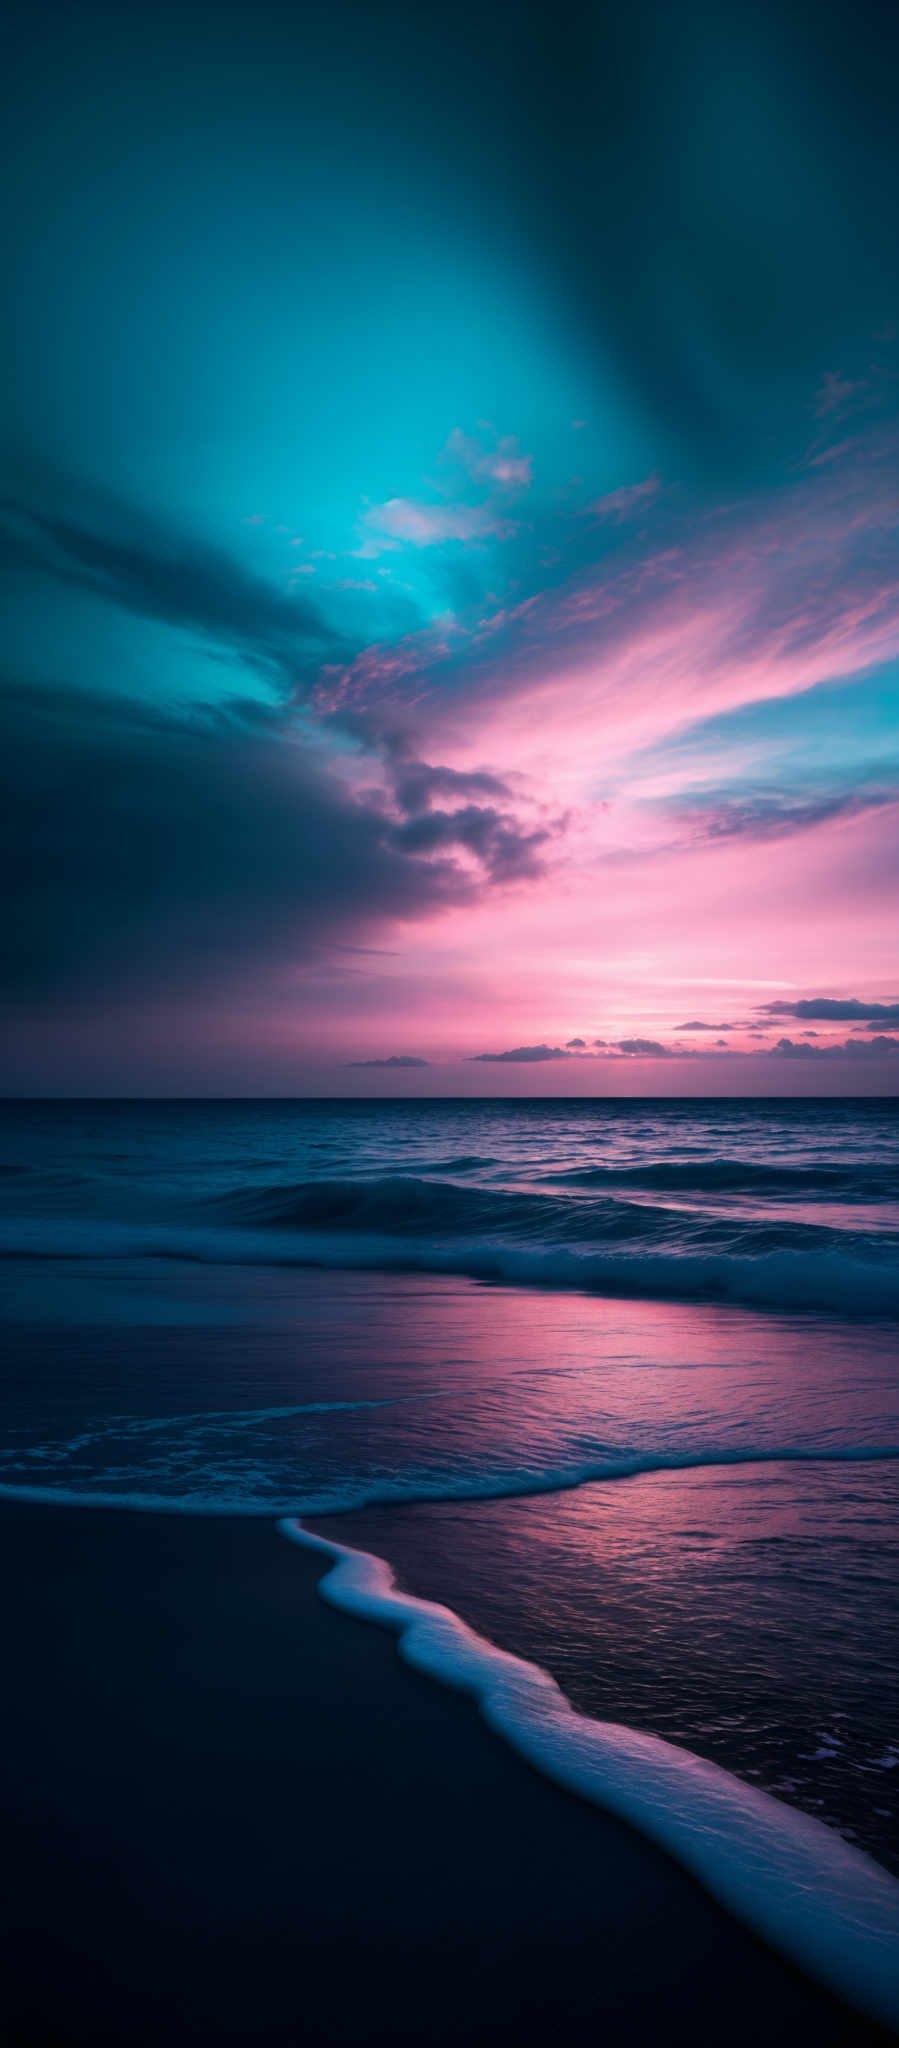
(837, 394)
(426, 525)
(155, 571)
(499, 471)
(761, 602)
(502, 464)
(627, 501)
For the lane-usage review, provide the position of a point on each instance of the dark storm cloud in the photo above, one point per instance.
(834, 1009)
(144, 849)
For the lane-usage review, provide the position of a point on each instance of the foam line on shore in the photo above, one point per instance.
(346, 1497)
(823, 1904)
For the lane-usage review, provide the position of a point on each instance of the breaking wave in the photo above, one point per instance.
(739, 1176)
(599, 1243)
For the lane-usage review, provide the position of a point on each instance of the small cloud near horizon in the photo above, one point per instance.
(524, 1055)
(853, 1048)
(646, 1048)
(834, 1009)
(395, 1060)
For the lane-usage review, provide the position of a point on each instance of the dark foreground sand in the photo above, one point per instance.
(230, 1814)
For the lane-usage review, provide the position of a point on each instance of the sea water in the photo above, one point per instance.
(617, 1382)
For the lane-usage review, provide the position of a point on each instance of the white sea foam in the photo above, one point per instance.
(828, 1271)
(344, 1494)
(822, 1903)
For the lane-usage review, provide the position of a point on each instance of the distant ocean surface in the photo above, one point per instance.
(618, 1381)
(774, 1204)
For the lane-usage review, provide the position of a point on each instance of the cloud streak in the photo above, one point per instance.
(833, 1009)
(395, 1060)
(152, 570)
(524, 1055)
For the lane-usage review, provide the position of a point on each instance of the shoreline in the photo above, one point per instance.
(780, 1865)
(222, 1801)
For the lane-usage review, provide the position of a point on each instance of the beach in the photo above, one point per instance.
(230, 1813)
(656, 1474)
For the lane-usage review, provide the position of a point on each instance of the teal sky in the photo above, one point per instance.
(372, 380)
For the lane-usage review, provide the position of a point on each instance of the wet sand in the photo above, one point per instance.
(229, 1814)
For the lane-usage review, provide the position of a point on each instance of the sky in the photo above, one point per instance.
(448, 535)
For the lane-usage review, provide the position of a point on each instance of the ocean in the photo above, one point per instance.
(617, 1382)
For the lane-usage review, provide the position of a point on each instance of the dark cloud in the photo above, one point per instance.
(417, 784)
(395, 1060)
(144, 849)
(777, 814)
(509, 850)
(575, 1044)
(157, 572)
(645, 1048)
(835, 1010)
(695, 1025)
(525, 1055)
(443, 808)
(791, 1049)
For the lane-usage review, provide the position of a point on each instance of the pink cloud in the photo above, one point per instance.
(836, 393)
(504, 464)
(760, 604)
(627, 500)
(424, 525)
